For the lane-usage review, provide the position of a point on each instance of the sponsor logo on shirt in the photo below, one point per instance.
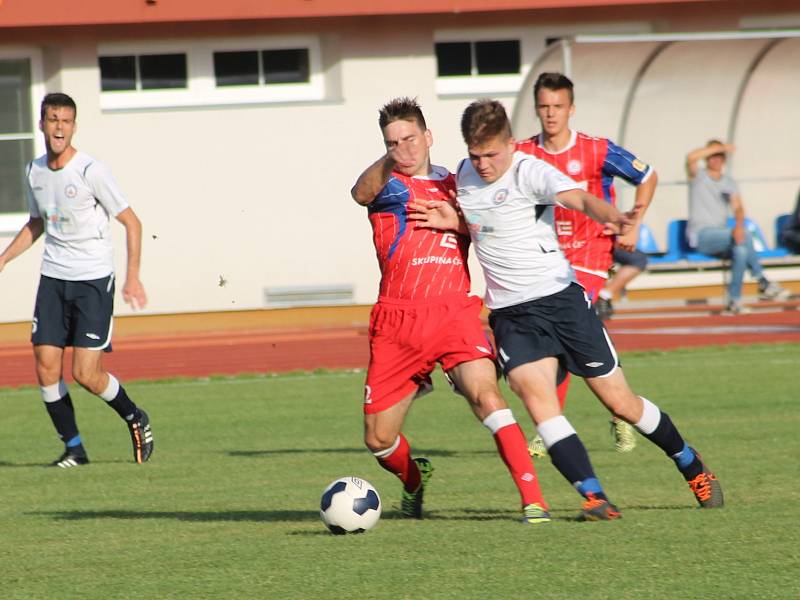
(639, 165)
(564, 228)
(439, 260)
(574, 167)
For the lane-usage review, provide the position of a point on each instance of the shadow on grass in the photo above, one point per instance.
(360, 450)
(257, 516)
(10, 465)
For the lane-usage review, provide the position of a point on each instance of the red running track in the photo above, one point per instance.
(263, 351)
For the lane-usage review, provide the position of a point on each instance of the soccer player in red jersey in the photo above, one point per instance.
(593, 162)
(426, 315)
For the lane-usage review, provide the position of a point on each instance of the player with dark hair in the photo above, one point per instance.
(425, 315)
(70, 198)
(542, 319)
(593, 162)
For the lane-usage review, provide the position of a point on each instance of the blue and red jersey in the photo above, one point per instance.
(593, 163)
(416, 263)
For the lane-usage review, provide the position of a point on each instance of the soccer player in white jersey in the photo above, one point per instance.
(71, 197)
(540, 316)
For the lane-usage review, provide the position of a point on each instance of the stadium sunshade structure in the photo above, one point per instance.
(662, 95)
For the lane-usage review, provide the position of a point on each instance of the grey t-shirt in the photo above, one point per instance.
(709, 203)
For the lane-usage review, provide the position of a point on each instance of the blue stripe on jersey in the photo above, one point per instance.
(393, 199)
(621, 163)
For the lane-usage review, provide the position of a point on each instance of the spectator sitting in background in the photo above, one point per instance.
(790, 235)
(631, 265)
(712, 195)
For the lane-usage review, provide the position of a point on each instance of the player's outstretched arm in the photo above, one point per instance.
(372, 180)
(644, 196)
(133, 292)
(24, 239)
(603, 212)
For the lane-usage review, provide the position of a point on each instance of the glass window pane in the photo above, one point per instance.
(162, 71)
(286, 66)
(14, 155)
(453, 58)
(117, 73)
(494, 58)
(236, 68)
(15, 96)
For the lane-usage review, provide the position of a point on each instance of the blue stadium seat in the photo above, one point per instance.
(647, 242)
(678, 245)
(780, 225)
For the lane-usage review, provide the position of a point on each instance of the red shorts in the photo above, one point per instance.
(406, 340)
(591, 283)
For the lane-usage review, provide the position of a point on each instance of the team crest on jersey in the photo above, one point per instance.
(500, 196)
(70, 191)
(574, 167)
(639, 165)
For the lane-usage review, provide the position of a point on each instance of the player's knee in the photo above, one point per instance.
(379, 441)
(87, 378)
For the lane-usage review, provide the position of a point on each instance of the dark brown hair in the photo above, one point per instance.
(57, 99)
(401, 109)
(554, 82)
(484, 120)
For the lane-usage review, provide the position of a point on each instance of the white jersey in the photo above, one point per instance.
(76, 203)
(511, 225)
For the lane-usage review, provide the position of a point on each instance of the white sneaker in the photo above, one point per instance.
(735, 307)
(774, 291)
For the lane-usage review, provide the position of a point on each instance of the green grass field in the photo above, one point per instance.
(228, 506)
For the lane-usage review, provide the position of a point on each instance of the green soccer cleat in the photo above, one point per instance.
(536, 447)
(533, 514)
(411, 502)
(624, 436)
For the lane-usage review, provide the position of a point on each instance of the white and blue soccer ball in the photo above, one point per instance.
(350, 505)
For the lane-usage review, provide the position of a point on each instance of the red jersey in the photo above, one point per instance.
(417, 263)
(592, 162)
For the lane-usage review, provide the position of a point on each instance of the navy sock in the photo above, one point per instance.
(62, 414)
(667, 437)
(123, 405)
(569, 456)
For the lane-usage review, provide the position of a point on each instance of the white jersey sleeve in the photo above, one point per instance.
(105, 188)
(33, 207)
(541, 181)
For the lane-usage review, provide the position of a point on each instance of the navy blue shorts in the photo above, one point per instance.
(563, 325)
(74, 313)
(637, 258)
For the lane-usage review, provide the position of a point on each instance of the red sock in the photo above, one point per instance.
(514, 450)
(561, 390)
(400, 463)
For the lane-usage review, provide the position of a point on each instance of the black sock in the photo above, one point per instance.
(666, 436)
(123, 405)
(62, 414)
(569, 456)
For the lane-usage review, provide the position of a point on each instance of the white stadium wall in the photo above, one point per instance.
(258, 195)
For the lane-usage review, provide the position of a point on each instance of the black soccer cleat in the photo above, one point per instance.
(69, 460)
(141, 437)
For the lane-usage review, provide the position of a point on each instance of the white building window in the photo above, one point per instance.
(484, 62)
(210, 72)
(21, 91)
